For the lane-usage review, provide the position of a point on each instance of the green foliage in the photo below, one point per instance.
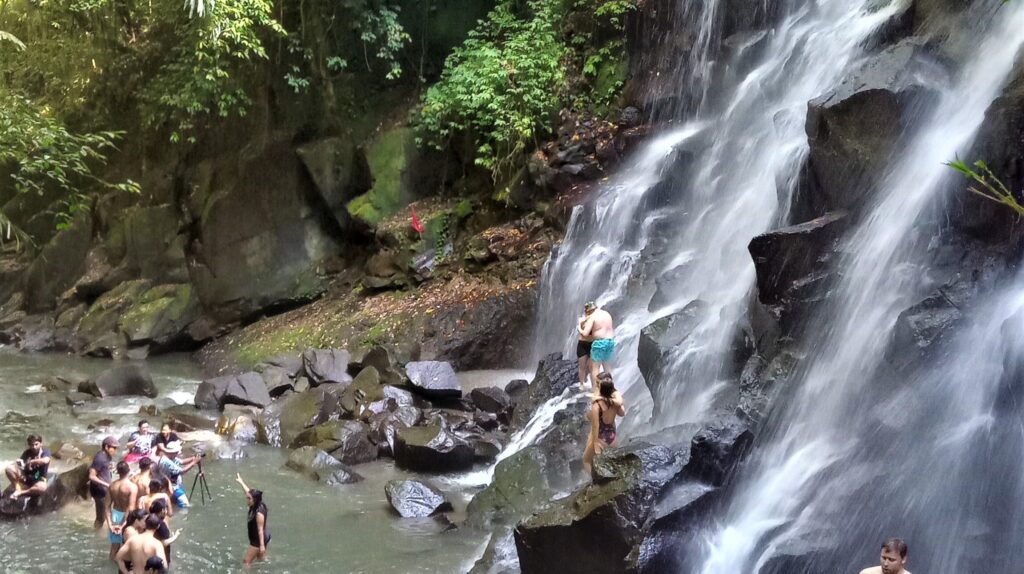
(506, 82)
(11, 38)
(986, 184)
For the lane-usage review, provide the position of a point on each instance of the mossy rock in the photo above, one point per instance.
(387, 157)
(517, 490)
(98, 331)
(160, 314)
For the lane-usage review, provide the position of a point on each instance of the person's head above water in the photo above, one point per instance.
(136, 519)
(894, 556)
(607, 385)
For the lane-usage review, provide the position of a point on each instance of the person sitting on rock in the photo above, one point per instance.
(601, 329)
(28, 473)
(894, 558)
(140, 443)
(603, 412)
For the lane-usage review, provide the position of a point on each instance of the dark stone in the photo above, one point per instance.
(277, 381)
(554, 376)
(344, 476)
(290, 364)
(326, 366)
(77, 399)
(347, 441)
(401, 397)
(431, 449)
(490, 399)
(127, 380)
(59, 265)
(364, 390)
(313, 462)
(489, 334)
(385, 425)
(855, 129)
(66, 480)
(415, 499)
(244, 389)
(629, 117)
(185, 418)
(282, 421)
(602, 525)
(667, 285)
(514, 389)
(717, 448)
(380, 358)
(434, 379)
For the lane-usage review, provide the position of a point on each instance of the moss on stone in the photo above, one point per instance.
(387, 158)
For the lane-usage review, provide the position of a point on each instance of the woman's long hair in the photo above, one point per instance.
(257, 503)
(607, 385)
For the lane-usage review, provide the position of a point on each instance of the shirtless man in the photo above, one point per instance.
(583, 345)
(139, 548)
(601, 329)
(144, 477)
(894, 558)
(157, 491)
(121, 499)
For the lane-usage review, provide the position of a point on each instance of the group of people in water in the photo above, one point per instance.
(137, 506)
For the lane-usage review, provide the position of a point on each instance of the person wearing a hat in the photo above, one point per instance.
(174, 468)
(100, 478)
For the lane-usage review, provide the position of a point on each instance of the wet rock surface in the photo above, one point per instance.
(431, 448)
(66, 483)
(127, 380)
(415, 499)
(434, 379)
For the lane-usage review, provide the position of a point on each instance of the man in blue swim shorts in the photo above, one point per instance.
(121, 498)
(600, 327)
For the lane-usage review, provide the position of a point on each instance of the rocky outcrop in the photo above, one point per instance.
(415, 499)
(339, 172)
(490, 399)
(431, 448)
(347, 441)
(658, 342)
(283, 421)
(601, 526)
(313, 462)
(554, 376)
(326, 366)
(244, 389)
(434, 379)
(58, 266)
(856, 128)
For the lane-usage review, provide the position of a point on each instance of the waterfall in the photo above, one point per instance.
(858, 454)
(695, 196)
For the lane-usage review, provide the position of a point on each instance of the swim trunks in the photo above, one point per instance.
(179, 498)
(583, 349)
(116, 517)
(601, 350)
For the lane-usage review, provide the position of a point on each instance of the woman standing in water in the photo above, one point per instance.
(259, 536)
(603, 412)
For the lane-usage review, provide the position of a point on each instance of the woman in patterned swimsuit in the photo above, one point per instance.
(603, 412)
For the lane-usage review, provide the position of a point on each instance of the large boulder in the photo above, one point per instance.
(286, 418)
(415, 499)
(126, 380)
(340, 173)
(490, 399)
(277, 380)
(658, 342)
(154, 243)
(490, 334)
(67, 480)
(347, 441)
(238, 424)
(794, 265)
(244, 389)
(98, 332)
(434, 379)
(364, 391)
(431, 448)
(313, 462)
(554, 376)
(717, 448)
(602, 525)
(385, 425)
(855, 129)
(242, 265)
(161, 316)
(326, 366)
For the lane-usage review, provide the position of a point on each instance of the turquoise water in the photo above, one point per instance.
(315, 528)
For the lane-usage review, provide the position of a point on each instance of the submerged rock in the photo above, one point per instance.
(431, 449)
(659, 340)
(313, 462)
(434, 379)
(415, 499)
(127, 380)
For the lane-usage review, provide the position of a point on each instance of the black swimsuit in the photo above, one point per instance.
(605, 431)
(254, 529)
(583, 349)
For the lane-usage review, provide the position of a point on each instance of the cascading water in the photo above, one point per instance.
(697, 195)
(859, 453)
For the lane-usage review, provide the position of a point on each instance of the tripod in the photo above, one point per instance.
(200, 480)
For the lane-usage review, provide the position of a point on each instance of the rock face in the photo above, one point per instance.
(431, 449)
(340, 173)
(67, 481)
(326, 366)
(286, 418)
(854, 129)
(600, 526)
(434, 379)
(58, 266)
(717, 448)
(794, 266)
(347, 441)
(128, 380)
(657, 342)
(240, 265)
(244, 389)
(415, 499)
(554, 376)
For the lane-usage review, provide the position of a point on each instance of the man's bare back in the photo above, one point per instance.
(123, 493)
(600, 325)
(138, 549)
(878, 570)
